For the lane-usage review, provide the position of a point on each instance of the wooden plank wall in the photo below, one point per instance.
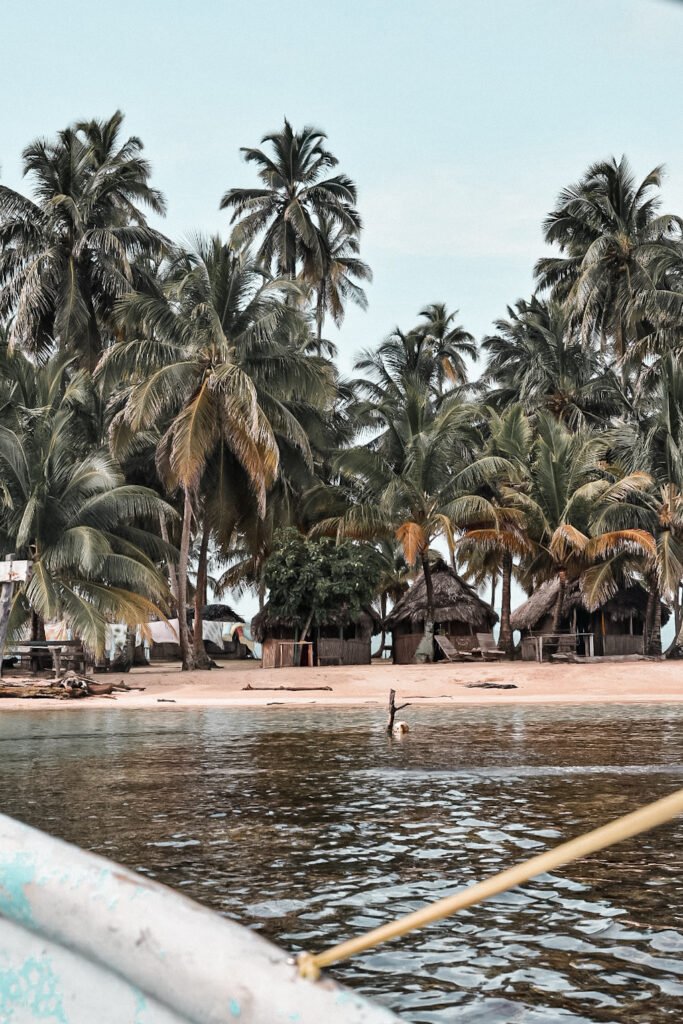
(343, 652)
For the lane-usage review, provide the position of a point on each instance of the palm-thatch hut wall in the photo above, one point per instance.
(339, 642)
(617, 625)
(458, 612)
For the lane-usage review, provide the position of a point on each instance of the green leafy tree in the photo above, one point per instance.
(318, 581)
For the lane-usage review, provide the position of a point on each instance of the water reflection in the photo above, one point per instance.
(311, 826)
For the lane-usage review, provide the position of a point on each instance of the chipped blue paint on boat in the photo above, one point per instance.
(83, 940)
(17, 873)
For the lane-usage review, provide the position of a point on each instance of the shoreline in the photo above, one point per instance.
(166, 686)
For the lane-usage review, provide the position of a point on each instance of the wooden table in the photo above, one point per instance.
(69, 650)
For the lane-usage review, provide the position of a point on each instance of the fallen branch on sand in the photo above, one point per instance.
(250, 687)
(491, 686)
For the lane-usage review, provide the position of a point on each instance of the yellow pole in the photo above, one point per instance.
(642, 820)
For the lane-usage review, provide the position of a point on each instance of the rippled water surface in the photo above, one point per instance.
(311, 826)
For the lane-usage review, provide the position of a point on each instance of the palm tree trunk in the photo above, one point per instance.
(172, 575)
(320, 316)
(494, 587)
(383, 615)
(505, 638)
(183, 632)
(426, 569)
(677, 642)
(649, 615)
(654, 639)
(425, 648)
(201, 658)
(557, 613)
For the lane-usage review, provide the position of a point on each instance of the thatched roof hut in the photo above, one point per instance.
(454, 601)
(617, 625)
(266, 624)
(627, 604)
(342, 640)
(458, 611)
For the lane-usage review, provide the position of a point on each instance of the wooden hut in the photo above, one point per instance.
(459, 613)
(343, 641)
(617, 625)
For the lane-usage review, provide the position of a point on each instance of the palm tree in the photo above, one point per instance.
(68, 254)
(613, 241)
(330, 267)
(567, 488)
(205, 365)
(491, 544)
(285, 212)
(537, 358)
(66, 506)
(449, 342)
(417, 478)
(654, 446)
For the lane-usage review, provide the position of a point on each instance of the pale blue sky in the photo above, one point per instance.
(459, 119)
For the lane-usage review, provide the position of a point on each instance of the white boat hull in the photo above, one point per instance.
(85, 941)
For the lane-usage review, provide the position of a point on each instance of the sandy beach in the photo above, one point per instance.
(166, 686)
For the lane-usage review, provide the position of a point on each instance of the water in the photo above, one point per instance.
(311, 826)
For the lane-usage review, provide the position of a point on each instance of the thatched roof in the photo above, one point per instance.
(265, 621)
(541, 604)
(217, 613)
(454, 601)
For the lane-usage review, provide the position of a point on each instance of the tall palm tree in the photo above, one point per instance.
(654, 446)
(490, 544)
(70, 252)
(416, 479)
(330, 268)
(66, 506)
(207, 366)
(613, 241)
(285, 212)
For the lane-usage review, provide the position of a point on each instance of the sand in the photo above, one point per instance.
(602, 683)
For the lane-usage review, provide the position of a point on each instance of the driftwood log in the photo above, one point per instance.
(250, 687)
(70, 686)
(36, 690)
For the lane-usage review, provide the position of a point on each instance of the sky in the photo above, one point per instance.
(460, 120)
